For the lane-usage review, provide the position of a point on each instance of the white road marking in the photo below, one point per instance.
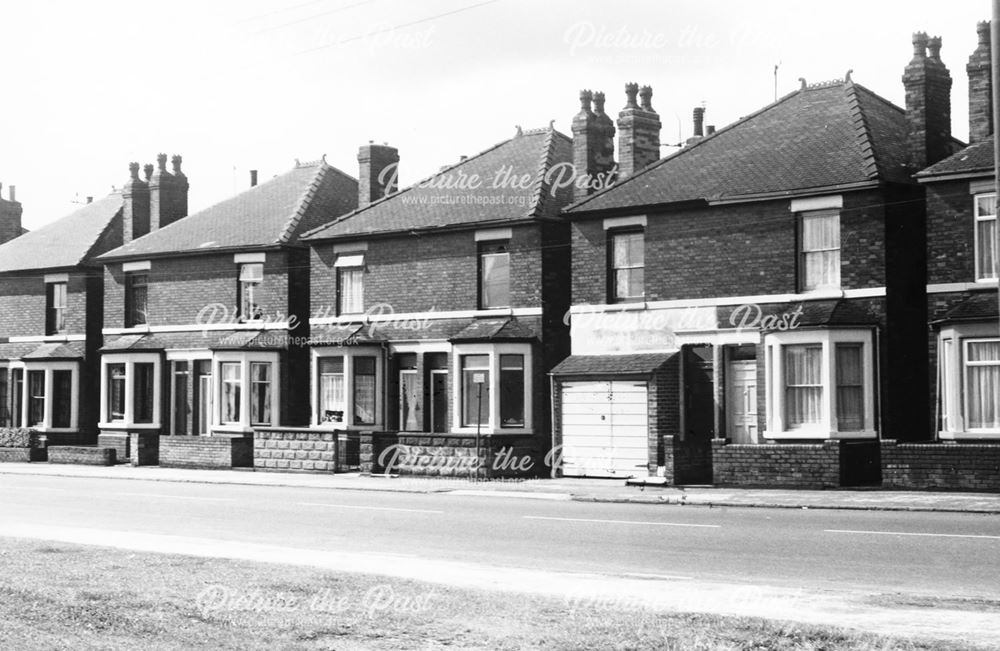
(173, 497)
(498, 493)
(661, 577)
(907, 533)
(657, 524)
(368, 508)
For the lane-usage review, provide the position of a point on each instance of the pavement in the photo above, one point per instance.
(574, 489)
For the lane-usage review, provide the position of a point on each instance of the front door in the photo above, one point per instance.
(182, 408)
(410, 412)
(741, 401)
(204, 397)
(439, 400)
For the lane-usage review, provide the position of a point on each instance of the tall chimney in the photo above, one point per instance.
(168, 193)
(378, 166)
(638, 131)
(135, 208)
(928, 104)
(178, 193)
(980, 87)
(253, 178)
(699, 121)
(606, 130)
(593, 144)
(10, 216)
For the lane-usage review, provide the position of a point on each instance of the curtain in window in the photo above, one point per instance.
(512, 390)
(331, 390)
(496, 280)
(986, 247)
(821, 250)
(260, 378)
(62, 398)
(116, 392)
(351, 291)
(36, 397)
(364, 390)
(231, 393)
(803, 385)
(983, 384)
(629, 260)
(850, 388)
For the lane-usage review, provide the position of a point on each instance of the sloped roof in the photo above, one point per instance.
(274, 212)
(445, 199)
(65, 242)
(826, 135)
(977, 157)
(981, 306)
(502, 329)
(210, 339)
(644, 364)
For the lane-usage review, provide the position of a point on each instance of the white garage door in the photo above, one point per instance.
(604, 429)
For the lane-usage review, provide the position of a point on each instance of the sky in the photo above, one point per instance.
(256, 84)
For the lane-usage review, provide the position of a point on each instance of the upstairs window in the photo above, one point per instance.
(251, 276)
(819, 264)
(136, 286)
(350, 283)
(986, 233)
(55, 308)
(626, 266)
(494, 274)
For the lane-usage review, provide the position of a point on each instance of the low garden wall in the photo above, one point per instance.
(205, 452)
(813, 465)
(958, 466)
(82, 455)
(434, 455)
(291, 449)
(21, 444)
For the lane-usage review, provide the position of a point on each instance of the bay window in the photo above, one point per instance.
(969, 376)
(5, 420)
(985, 236)
(130, 385)
(41, 395)
(260, 393)
(230, 403)
(347, 387)
(493, 391)
(820, 384)
(246, 390)
(36, 398)
(116, 392)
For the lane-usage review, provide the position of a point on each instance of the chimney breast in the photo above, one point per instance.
(928, 104)
(135, 205)
(638, 131)
(593, 142)
(378, 167)
(980, 71)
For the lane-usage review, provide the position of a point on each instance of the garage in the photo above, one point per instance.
(604, 428)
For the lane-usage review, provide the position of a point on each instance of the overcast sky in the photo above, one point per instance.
(255, 84)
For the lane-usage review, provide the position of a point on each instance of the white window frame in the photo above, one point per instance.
(980, 278)
(348, 353)
(244, 359)
(493, 419)
(191, 357)
(952, 377)
(827, 428)
(252, 285)
(352, 261)
(814, 214)
(130, 360)
(47, 367)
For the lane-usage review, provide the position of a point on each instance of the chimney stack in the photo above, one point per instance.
(135, 209)
(928, 104)
(253, 178)
(980, 87)
(699, 121)
(168, 193)
(593, 142)
(10, 216)
(638, 131)
(90, 199)
(378, 166)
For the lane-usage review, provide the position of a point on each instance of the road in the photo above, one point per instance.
(872, 556)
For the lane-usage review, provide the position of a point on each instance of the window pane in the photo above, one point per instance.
(820, 250)
(143, 390)
(986, 248)
(628, 259)
(803, 385)
(62, 398)
(850, 388)
(351, 290)
(231, 392)
(260, 374)
(16, 394)
(116, 392)
(364, 390)
(986, 205)
(983, 384)
(512, 390)
(331, 390)
(495, 274)
(135, 299)
(4, 400)
(475, 367)
(36, 397)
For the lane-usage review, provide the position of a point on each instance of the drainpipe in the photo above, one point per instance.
(552, 423)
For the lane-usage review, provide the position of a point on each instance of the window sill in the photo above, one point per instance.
(971, 435)
(818, 435)
(486, 431)
(122, 425)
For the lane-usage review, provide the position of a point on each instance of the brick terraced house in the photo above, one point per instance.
(749, 309)
(50, 321)
(438, 310)
(205, 315)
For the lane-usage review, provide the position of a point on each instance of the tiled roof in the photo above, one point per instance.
(611, 364)
(502, 329)
(274, 212)
(16, 350)
(821, 136)
(208, 340)
(978, 307)
(430, 203)
(977, 157)
(831, 312)
(65, 242)
(69, 350)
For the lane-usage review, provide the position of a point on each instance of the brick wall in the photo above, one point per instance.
(179, 288)
(89, 456)
(452, 456)
(295, 450)
(739, 250)
(22, 304)
(814, 465)
(950, 233)
(205, 452)
(941, 465)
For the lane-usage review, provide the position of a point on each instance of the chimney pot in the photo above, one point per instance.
(161, 162)
(90, 199)
(253, 178)
(133, 170)
(631, 90)
(983, 30)
(586, 97)
(934, 47)
(638, 132)
(920, 44)
(646, 97)
(147, 171)
(599, 103)
(699, 121)
(175, 162)
(710, 129)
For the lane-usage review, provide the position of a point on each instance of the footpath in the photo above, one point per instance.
(588, 490)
